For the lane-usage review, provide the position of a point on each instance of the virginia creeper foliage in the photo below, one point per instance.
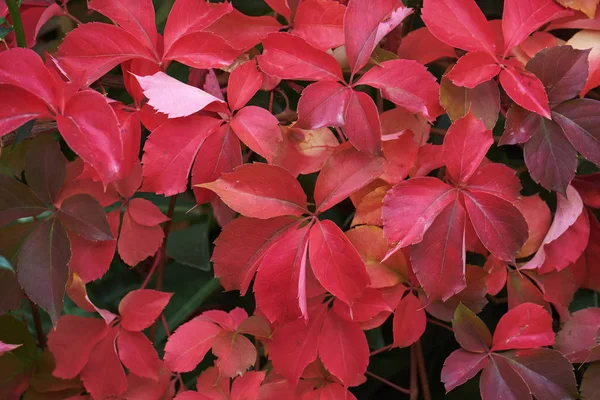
(207, 200)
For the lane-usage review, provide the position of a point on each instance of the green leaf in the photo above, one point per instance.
(4, 31)
(23, 132)
(190, 246)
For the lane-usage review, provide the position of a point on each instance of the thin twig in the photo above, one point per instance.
(422, 371)
(17, 22)
(438, 323)
(414, 384)
(381, 350)
(37, 321)
(390, 384)
(438, 131)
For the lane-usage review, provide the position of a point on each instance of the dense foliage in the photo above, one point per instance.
(279, 200)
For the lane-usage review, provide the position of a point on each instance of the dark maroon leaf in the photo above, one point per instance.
(580, 122)
(470, 331)
(590, 385)
(84, 216)
(563, 71)
(45, 169)
(17, 201)
(42, 266)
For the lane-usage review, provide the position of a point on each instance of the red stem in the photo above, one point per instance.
(390, 384)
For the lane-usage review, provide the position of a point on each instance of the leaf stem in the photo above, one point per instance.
(381, 350)
(37, 321)
(385, 381)
(414, 384)
(438, 323)
(17, 22)
(422, 371)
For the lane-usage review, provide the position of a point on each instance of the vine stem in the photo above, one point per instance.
(438, 323)
(390, 384)
(414, 384)
(35, 313)
(381, 350)
(422, 371)
(159, 260)
(17, 22)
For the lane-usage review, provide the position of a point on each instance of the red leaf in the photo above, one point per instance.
(420, 45)
(235, 269)
(72, 342)
(497, 275)
(145, 213)
(140, 308)
(243, 83)
(474, 68)
(138, 354)
(136, 17)
(202, 50)
(410, 207)
(401, 155)
(459, 23)
(170, 150)
(103, 376)
(336, 263)
(91, 259)
(91, 50)
(470, 331)
(290, 57)
(258, 129)
(343, 349)
(462, 366)
(323, 104)
(247, 387)
(465, 145)
(526, 90)
(82, 215)
(260, 191)
(42, 266)
(346, 171)
(331, 391)
(499, 225)
(281, 7)
(439, 259)
(294, 345)
(188, 345)
(320, 23)
(90, 128)
(520, 18)
(577, 338)
(188, 16)
(361, 123)
(407, 84)
(234, 352)
(369, 305)
(243, 32)
(280, 286)
(138, 242)
(497, 179)
(366, 23)
(18, 106)
(410, 321)
(525, 326)
(175, 98)
(219, 154)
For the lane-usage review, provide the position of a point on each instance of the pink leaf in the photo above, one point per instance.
(140, 308)
(407, 84)
(138, 354)
(459, 23)
(247, 387)
(243, 83)
(258, 129)
(520, 18)
(175, 98)
(290, 57)
(366, 23)
(525, 326)
(323, 104)
(260, 191)
(465, 145)
(410, 321)
(577, 338)
(336, 263)
(526, 90)
(6, 347)
(188, 345)
(343, 349)
(473, 69)
(361, 125)
(170, 150)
